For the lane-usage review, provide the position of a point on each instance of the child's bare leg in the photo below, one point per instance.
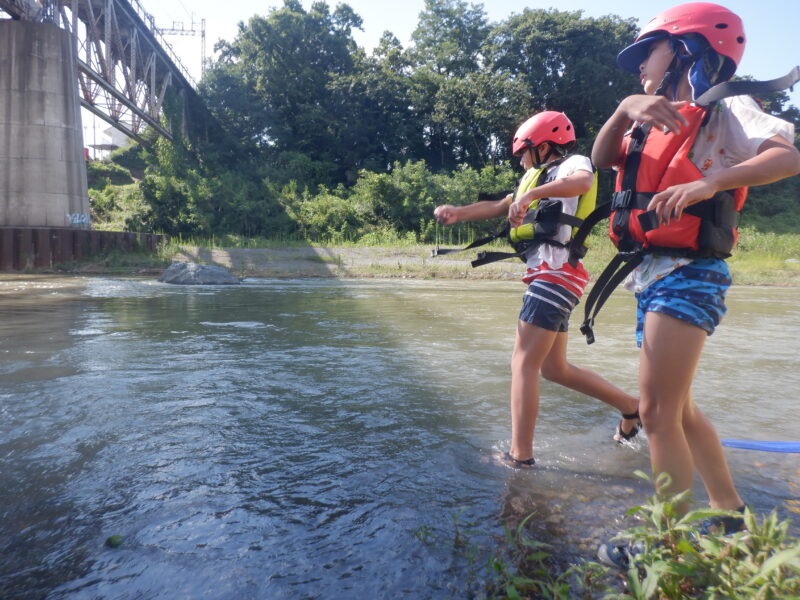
(709, 458)
(670, 351)
(530, 349)
(556, 368)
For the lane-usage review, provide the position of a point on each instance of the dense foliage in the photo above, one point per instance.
(326, 141)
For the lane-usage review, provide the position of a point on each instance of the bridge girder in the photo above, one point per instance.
(125, 66)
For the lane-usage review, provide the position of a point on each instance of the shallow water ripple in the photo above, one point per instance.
(321, 439)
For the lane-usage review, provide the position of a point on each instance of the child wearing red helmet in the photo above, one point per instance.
(553, 178)
(683, 170)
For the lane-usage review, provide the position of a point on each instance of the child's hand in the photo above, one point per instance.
(517, 210)
(445, 214)
(673, 201)
(655, 110)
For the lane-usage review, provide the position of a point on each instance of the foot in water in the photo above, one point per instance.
(628, 428)
(509, 460)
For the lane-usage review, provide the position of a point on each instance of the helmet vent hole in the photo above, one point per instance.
(569, 127)
(740, 39)
(555, 128)
(721, 25)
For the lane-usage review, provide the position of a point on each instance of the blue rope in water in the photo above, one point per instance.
(787, 447)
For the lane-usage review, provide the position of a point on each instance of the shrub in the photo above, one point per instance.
(100, 174)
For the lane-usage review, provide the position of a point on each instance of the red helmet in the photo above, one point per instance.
(721, 28)
(548, 126)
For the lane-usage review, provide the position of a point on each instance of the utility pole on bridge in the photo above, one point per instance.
(178, 29)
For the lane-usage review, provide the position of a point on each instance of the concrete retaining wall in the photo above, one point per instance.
(24, 248)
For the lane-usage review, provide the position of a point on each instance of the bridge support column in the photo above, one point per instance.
(42, 167)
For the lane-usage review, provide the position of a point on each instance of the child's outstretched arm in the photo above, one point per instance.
(776, 159)
(640, 108)
(575, 184)
(447, 214)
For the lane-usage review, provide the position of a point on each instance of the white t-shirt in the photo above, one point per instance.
(734, 132)
(555, 256)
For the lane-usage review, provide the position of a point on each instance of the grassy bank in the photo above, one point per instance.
(760, 259)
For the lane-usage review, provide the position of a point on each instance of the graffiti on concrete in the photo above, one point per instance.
(79, 218)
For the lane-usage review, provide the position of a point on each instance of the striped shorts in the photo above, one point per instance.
(548, 305)
(694, 293)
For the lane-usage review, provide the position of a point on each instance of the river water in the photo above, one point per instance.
(328, 438)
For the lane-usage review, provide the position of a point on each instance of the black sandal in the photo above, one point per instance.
(519, 464)
(620, 435)
(723, 525)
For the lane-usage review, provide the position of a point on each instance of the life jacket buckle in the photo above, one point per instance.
(586, 329)
(621, 200)
(638, 137)
(627, 256)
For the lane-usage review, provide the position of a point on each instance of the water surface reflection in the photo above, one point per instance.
(319, 438)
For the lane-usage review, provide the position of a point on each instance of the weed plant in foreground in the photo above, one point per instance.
(760, 563)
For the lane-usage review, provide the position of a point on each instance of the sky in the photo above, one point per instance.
(771, 26)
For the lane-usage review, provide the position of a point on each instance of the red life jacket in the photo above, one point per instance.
(654, 161)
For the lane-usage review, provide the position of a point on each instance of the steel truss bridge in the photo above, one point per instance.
(125, 67)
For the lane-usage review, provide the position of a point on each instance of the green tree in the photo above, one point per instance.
(272, 84)
(567, 62)
(449, 37)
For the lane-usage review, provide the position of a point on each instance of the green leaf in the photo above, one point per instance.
(512, 593)
(685, 547)
(538, 556)
(775, 562)
(705, 513)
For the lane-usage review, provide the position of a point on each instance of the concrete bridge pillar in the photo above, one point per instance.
(42, 167)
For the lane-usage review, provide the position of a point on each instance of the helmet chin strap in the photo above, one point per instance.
(672, 76)
(539, 162)
(675, 71)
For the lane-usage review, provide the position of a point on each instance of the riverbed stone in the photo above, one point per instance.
(188, 273)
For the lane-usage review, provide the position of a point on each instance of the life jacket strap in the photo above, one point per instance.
(615, 272)
(571, 220)
(577, 247)
(484, 258)
(500, 233)
(741, 88)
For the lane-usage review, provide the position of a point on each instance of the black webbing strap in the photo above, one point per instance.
(617, 270)
(740, 88)
(630, 170)
(484, 258)
(576, 245)
(571, 220)
(500, 233)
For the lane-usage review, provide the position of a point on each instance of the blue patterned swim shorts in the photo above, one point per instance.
(694, 293)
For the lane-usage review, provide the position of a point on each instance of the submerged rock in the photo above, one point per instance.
(183, 273)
